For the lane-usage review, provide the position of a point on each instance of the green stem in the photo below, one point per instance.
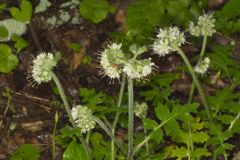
(191, 92)
(204, 44)
(130, 118)
(108, 131)
(147, 146)
(117, 115)
(203, 48)
(54, 133)
(195, 79)
(67, 108)
(155, 129)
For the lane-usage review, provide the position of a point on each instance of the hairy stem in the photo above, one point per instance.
(204, 44)
(195, 79)
(130, 118)
(117, 115)
(67, 108)
(54, 132)
(108, 131)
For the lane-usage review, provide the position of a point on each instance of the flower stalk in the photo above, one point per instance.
(67, 108)
(130, 118)
(117, 116)
(195, 79)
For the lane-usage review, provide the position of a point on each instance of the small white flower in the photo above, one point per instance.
(83, 118)
(43, 64)
(204, 26)
(194, 30)
(203, 66)
(167, 39)
(111, 60)
(141, 110)
(138, 69)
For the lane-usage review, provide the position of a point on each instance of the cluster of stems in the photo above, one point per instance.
(110, 129)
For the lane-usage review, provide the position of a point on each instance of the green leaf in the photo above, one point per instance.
(200, 152)
(90, 97)
(180, 153)
(3, 32)
(23, 14)
(95, 10)
(74, 151)
(230, 10)
(149, 123)
(20, 43)
(2, 6)
(101, 147)
(76, 47)
(143, 16)
(26, 152)
(8, 61)
(200, 137)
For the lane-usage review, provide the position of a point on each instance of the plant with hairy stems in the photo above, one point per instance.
(42, 72)
(174, 39)
(113, 59)
(205, 27)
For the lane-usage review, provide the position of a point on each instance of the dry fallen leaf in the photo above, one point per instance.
(32, 126)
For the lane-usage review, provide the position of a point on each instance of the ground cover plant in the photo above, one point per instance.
(119, 80)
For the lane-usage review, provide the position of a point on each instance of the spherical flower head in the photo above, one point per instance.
(203, 66)
(205, 26)
(42, 67)
(83, 118)
(167, 39)
(111, 60)
(138, 69)
(140, 110)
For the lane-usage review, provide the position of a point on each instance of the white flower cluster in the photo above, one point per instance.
(202, 67)
(205, 26)
(111, 59)
(138, 68)
(141, 110)
(114, 62)
(167, 39)
(43, 64)
(83, 118)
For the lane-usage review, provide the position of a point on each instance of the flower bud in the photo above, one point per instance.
(203, 66)
(141, 110)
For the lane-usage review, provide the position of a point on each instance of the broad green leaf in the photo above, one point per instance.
(74, 151)
(101, 147)
(3, 33)
(230, 10)
(200, 137)
(157, 135)
(24, 13)
(70, 132)
(143, 16)
(149, 123)
(180, 153)
(26, 152)
(8, 61)
(200, 152)
(95, 10)
(2, 6)
(20, 43)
